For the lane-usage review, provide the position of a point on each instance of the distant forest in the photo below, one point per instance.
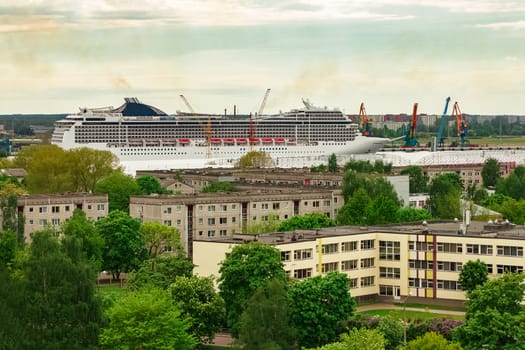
(20, 124)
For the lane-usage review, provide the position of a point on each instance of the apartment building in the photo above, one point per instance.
(421, 261)
(40, 210)
(222, 215)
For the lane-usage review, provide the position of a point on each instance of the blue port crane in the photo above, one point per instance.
(410, 138)
(440, 138)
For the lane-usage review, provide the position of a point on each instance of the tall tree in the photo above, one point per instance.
(124, 250)
(84, 229)
(490, 173)
(146, 319)
(362, 339)
(495, 315)
(61, 310)
(431, 341)
(88, 166)
(445, 192)
(160, 238)
(159, 272)
(353, 212)
(265, 323)
(255, 159)
(319, 305)
(149, 184)
(332, 163)
(392, 329)
(198, 300)
(418, 181)
(246, 268)
(474, 273)
(513, 185)
(118, 187)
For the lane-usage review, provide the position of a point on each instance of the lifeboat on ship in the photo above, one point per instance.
(254, 140)
(241, 140)
(184, 141)
(215, 141)
(229, 141)
(267, 140)
(291, 141)
(279, 140)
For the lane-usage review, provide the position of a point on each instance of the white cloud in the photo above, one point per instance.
(504, 25)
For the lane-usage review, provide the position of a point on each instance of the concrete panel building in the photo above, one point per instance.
(421, 261)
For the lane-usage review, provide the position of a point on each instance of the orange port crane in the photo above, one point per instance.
(461, 123)
(410, 139)
(364, 120)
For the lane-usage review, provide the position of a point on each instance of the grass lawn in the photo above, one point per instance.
(433, 307)
(410, 315)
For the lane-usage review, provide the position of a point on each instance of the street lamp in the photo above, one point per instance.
(405, 319)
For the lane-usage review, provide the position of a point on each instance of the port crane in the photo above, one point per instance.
(461, 123)
(364, 119)
(206, 128)
(263, 103)
(440, 138)
(410, 138)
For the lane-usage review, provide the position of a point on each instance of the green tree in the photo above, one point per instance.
(473, 274)
(392, 329)
(445, 192)
(118, 187)
(255, 159)
(431, 341)
(307, 221)
(146, 319)
(362, 339)
(149, 184)
(265, 323)
(47, 169)
(84, 229)
(219, 186)
(8, 247)
(198, 300)
(159, 272)
(332, 163)
(495, 315)
(319, 305)
(418, 181)
(87, 166)
(513, 185)
(124, 250)
(246, 268)
(61, 309)
(382, 210)
(160, 238)
(410, 214)
(490, 173)
(353, 212)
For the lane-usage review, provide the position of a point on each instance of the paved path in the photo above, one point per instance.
(385, 306)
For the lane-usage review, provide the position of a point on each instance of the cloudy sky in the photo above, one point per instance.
(58, 55)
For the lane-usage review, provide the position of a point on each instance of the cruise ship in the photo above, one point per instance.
(140, 132)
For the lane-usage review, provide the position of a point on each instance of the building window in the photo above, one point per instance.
(501, 269)
(367, 244)
(89, 206)
(367, 263)
(326, 203)
(479, 249)
(178, 222)
(201, 221)
(450, 247)
(420, 246)
(211, 208)
(348, 265)
(385, 290)
(449, 266)
(421, 264)
(264, 206)
(352, 283)
(43, 222)
(450, 285)
(55, 222)
(223, 221)
(285, 256)
(329, 267)
(31, 222)
(167, 210)
(329, 248)
(223, 233)
(389, 272)
(30, 209)
(302, 254)
(234, 207)
(367, 281)
(211, 233)
(302, 273)
(55, 209)
(254, 205)
(42, 210)
(167, 222)
(211, 221)
(506, 250)
(315, 204)
(224, 207)
(234, 219)
(389, 250)
(276, 206)
(349, 246)
(100, 206)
